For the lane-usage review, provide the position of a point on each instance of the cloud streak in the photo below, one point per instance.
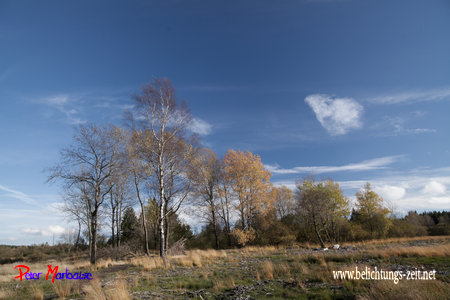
(336, 115)
(398, 124)
(413, 96)
(367, 165)
(61, 103)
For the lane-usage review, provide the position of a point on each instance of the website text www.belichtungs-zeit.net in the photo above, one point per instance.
(378, 274)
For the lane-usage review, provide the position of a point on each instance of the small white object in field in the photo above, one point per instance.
(336, 247)
(325, 249)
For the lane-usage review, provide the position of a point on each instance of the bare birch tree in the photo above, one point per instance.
(160, 123)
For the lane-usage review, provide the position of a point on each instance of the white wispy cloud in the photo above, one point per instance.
(17, 195)
(413, 96)
(398, 127)
(336, 115)
(210, 88)
(62, 103)
(200, 126)
(371, 164)
(57, 100)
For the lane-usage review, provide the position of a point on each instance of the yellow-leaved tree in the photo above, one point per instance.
(251, 186)
(371, 213)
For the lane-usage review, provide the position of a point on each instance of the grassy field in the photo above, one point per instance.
(300, 272)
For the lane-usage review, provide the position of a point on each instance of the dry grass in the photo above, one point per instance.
(249, 250)
(5, 294)
(282, 270)
(420, 289)
(191, 260)
(148, 263)
(100, 264)
(299, 267)
(267, 270)
(257, 275)
(63, 288)
(400, 240)
(94, 291)
(204, 274)
(196, 258)
(222, 284)
(135, 281)
(82, 264)
(306, 245)
(119, 292)
(424, 251)
(264, 263)
(7, 271)
(36, 292)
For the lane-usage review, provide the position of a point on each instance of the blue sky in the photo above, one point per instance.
(355, 90)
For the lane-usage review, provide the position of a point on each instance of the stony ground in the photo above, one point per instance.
(259, 273)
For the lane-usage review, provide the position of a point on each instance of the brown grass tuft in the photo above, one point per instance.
(62, 288)
(94, 291)
(4, 293)
(148, 263)
(36, 292)
(119, 292)
(222, 284)
(282, 269)
(196, 258)
(267, 270)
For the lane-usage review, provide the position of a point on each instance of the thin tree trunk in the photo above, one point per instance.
(322, 244)
(162, 217)
(162, 237)
(147, 252)
(78, 235)
(90, 236)
(118, 223)
(93, 246)
(155, 236)
(226, 219)
(118, 226)
(216, 235)
(112, 230)
(167, 224)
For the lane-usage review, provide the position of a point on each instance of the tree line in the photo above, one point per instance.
(157, 162)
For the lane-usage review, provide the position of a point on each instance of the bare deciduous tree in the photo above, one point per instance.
(205, 175)
(88, 165)
(138, 171)
(284, 202)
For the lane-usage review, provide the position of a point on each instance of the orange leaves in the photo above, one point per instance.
(250, 182)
